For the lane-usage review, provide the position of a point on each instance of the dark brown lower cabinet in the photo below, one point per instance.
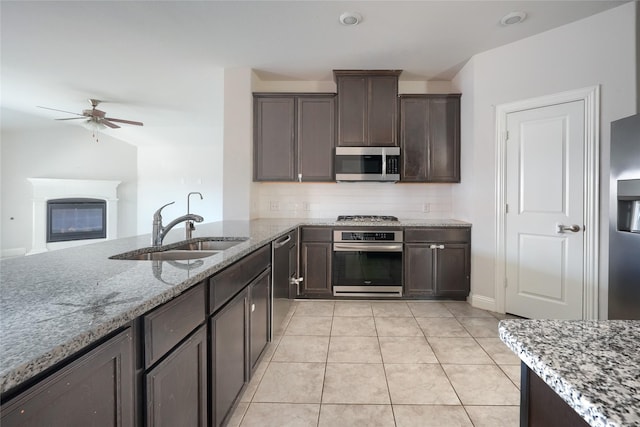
(97, 389)
(315, 262)
(259, 316)
(229, 342)
(540, 406)
(177, 386)
(437, 270)
(418, 270)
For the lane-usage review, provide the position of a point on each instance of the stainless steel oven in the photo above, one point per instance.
(367, 263)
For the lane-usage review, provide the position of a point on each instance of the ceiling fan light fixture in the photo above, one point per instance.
(513, 18)
(93, 125)
(350, 19)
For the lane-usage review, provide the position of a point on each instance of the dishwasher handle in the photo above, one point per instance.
(282, 242)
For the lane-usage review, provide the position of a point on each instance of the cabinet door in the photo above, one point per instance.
(418, 270)
(352, 110)
(316, 268)
(444, 139)
(414, 137)
(177, 386)
(316, 138)
(452, 270)
(259, 316)
(274, 151)
(430, 138)
(229, 356)
(94, 390)
(382, 110)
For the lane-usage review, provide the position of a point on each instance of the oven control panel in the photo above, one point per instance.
(367, 236)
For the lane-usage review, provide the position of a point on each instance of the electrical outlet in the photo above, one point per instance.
(274, 205)
(426, 208)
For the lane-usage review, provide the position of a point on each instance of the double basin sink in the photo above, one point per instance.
(194, 249)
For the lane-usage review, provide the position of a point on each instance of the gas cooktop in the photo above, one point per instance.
(367, 218)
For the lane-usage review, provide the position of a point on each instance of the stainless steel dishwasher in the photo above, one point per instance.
(284, 270)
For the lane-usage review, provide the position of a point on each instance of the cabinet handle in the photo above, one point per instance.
(253, 308)
(296, 282)
(299, 177)
(436, 246)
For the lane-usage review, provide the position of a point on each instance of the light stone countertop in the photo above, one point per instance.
(54, 304)
(594, 366)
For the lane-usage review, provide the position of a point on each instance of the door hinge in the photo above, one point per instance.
(506, 208)
(505, 282)
(506, 135)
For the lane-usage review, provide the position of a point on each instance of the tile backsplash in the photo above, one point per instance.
(319, 200)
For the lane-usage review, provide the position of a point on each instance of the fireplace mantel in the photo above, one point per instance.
(53, 188)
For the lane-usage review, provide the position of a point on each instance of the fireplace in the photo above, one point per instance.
(80, 215)
(76, 219)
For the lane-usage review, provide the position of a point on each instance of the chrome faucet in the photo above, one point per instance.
(160, 231)
(189, 226)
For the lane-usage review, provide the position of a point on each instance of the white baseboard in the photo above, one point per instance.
(14, 252)
(480, 301)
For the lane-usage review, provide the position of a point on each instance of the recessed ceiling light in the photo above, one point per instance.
(513, 18)
(350, 18)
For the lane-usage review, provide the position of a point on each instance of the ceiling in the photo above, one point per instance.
(161, 62)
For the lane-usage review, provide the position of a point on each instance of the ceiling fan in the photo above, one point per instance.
(95, 117)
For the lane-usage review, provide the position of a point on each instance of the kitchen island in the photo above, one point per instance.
(55, 304)
(593, 366)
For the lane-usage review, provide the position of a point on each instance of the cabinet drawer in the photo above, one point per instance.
(169, 324)
(316, 234)
(224, 285)
(437, 234)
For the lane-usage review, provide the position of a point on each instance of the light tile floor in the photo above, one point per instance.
(384, 363)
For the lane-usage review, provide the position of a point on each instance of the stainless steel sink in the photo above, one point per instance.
(169, 255)
(200, 248)
(209, 245)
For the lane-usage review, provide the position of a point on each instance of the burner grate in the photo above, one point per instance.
(367, 218)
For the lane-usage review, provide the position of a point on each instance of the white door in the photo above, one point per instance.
(544, 217)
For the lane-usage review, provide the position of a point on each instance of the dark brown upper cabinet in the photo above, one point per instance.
(367, 107)
(294, 137)
(430, 138)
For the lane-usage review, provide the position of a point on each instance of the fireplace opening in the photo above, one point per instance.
(76, 219)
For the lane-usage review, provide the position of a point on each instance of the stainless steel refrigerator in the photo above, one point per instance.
(624, 220)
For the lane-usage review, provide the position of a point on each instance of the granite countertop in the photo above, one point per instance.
(594, 366)
(54, 304)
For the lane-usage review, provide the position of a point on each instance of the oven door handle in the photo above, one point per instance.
(366, 247)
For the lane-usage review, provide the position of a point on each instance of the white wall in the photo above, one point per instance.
(599, 50)
(59, 151)
(167, 173)
(238, 147)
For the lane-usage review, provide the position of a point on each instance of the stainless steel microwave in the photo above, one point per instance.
(367, 164)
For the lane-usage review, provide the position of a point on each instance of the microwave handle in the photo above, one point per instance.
(384, 163)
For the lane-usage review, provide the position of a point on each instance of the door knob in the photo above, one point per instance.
(573, 228)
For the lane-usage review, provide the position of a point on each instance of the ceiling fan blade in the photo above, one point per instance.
(109, 124)
(62, 111)
(129, 122)
(72, 118)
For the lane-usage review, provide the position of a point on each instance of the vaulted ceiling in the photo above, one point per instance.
(160, 62)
